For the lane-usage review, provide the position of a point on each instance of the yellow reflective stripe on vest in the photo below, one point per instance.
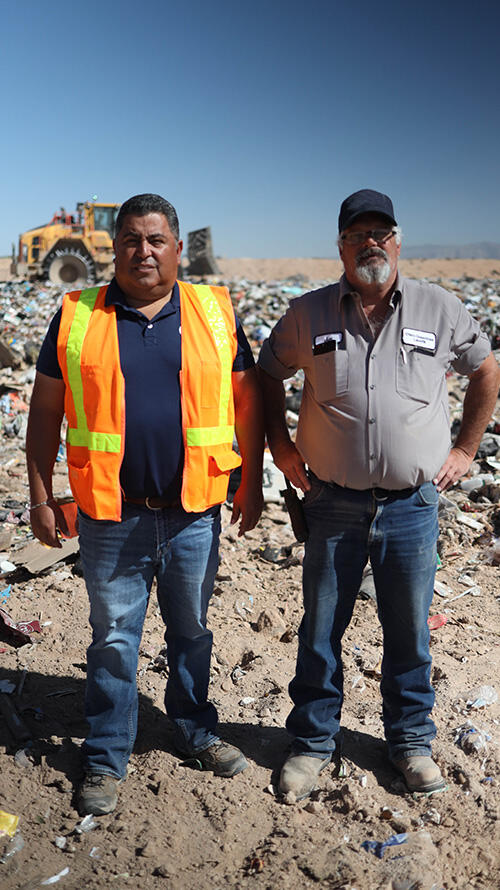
(210, 435)
(213, 314)
(82, 435)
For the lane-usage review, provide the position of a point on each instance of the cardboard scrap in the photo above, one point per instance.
(36, 556)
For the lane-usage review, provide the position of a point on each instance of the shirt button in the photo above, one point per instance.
(372, 420)
(372, 457)
(149, 327)
(372, 386)
(372, 357)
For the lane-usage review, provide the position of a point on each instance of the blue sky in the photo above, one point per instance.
(256, 119)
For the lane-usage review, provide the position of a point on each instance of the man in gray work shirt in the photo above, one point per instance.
(374, 433)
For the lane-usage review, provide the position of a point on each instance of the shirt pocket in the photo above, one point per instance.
(331, 375)
(418, 375)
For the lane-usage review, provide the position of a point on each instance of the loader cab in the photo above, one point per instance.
(102, 217)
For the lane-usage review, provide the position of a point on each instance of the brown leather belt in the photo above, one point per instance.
(153, 503)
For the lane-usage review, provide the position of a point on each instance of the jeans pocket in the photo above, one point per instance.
(315, 492)
(210, 514)
(427, 494)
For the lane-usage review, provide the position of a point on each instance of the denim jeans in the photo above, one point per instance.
(120, 561)
(398, 531)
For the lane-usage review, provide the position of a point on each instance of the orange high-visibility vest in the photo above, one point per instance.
(89, 357)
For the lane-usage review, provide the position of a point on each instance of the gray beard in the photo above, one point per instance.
(374, 273)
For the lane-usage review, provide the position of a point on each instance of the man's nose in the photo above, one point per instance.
(143, 247)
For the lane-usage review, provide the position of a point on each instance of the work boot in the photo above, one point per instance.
(299, 774)
(420, 773)
(222, 759)
(98, 794)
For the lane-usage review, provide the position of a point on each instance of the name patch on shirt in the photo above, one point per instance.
(327, 342)
(424, 340)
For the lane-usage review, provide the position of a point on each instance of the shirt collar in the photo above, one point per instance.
(116, 297)
(346, 290)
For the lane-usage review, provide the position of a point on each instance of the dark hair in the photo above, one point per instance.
(141, 205)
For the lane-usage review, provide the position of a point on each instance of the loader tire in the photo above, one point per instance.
(70, 268)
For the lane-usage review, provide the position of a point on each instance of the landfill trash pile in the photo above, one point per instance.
(176, 827)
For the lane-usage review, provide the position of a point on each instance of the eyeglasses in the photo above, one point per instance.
(378, 235)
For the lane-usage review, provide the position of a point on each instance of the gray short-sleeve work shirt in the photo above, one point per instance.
(375, 411)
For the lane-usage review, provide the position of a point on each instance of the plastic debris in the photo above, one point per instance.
(378, 848)
(471, 739)
(15, 844)
(55, 878)
(435, 621)
(481, 696)
(17, 633)
(8, 823)
(87, 824)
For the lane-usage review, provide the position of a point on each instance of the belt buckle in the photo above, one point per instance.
(148, 505)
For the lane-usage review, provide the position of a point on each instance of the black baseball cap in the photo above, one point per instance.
(365, 201)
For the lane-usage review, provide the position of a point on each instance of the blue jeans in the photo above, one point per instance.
(398, 531)
(120, 561)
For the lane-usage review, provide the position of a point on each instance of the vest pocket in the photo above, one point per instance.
(223, 463)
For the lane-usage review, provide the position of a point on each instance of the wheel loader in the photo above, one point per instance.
(72, 250)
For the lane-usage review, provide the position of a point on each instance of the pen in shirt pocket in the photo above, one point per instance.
(403, 354)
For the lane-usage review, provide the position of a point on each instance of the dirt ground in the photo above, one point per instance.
(176, 828)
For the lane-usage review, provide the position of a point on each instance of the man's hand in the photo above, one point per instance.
(45, 521)
(456, 465)
(288, 460)
(247, 504)
(479, 404)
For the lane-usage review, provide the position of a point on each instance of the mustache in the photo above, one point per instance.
(369, 252)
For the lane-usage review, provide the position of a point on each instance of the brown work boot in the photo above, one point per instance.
(222, 759)
(420, 773)
(98, 794)
(299, 774)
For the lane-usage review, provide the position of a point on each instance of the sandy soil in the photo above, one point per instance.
(317, 268)
(179, 829)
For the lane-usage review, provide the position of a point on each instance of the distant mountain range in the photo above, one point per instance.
(483, 250)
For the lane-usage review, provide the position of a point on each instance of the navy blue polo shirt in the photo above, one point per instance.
(150, 357)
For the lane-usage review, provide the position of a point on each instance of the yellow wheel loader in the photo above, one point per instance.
(72, 250)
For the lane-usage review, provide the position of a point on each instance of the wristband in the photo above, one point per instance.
(41, 504)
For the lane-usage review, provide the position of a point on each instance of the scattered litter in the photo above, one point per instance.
(442, 589)
(474, 591)
(435, 621)
(17, 633)
(481, 696)
(8, 823)
(55, 878)
(15, 844)
(388, 813)
(87, 824)
(433, 816)
(471, 739)
(378, 847)
(60, 842)
(468, 520)
(24, 758)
